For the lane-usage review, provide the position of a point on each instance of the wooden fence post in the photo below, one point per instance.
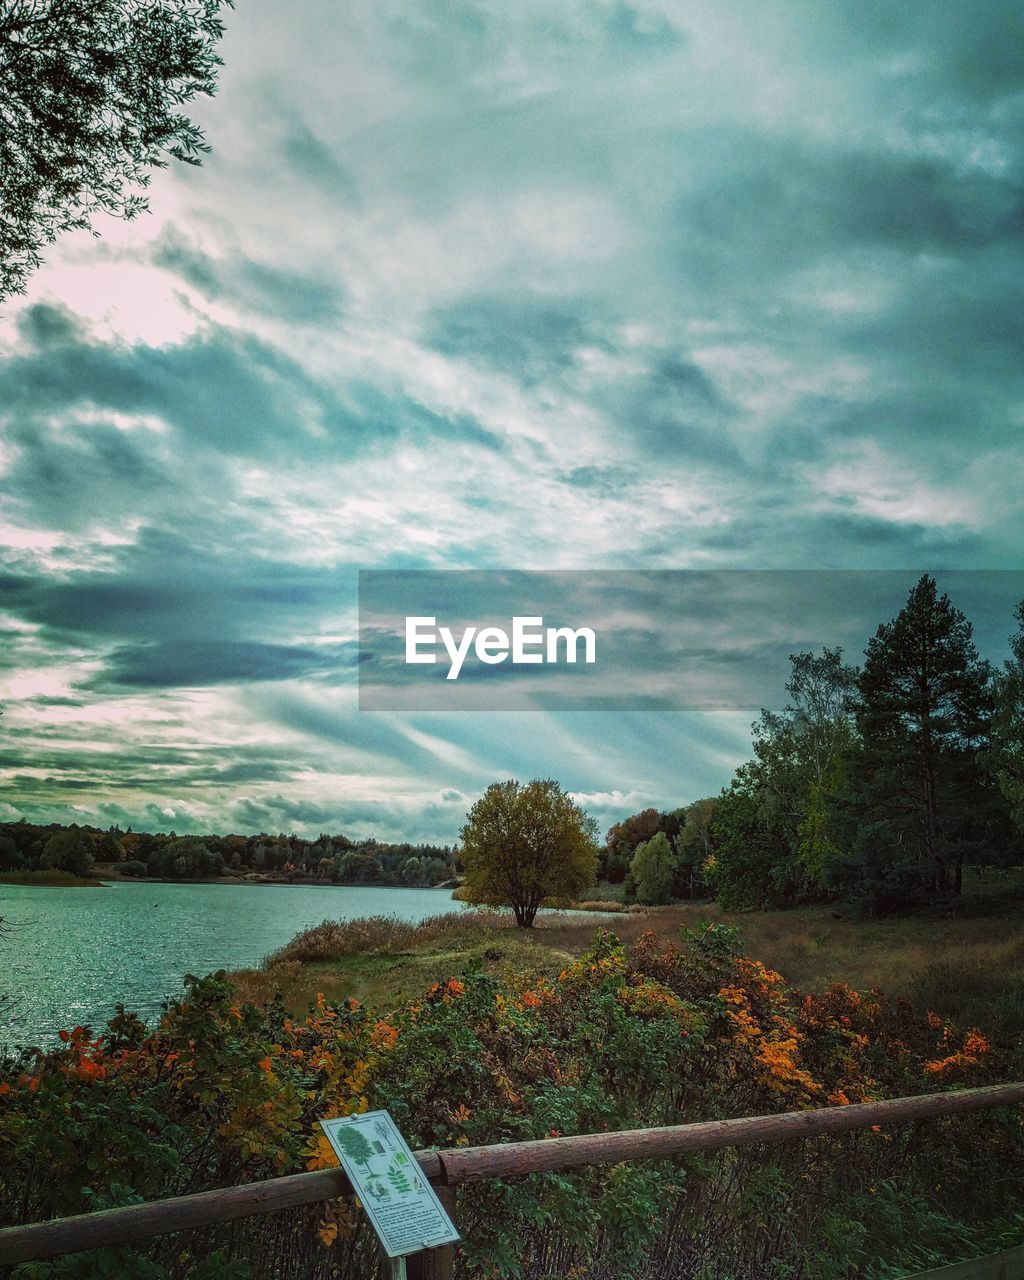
(436, 1264)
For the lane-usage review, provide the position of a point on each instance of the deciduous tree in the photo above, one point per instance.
(1008, 734)
(653, 870)
(90, 98)
(772, 827)
(526, 846)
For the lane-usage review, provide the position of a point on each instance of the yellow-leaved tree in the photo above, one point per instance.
(527, 846)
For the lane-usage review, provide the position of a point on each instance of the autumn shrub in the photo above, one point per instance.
(624, 1037)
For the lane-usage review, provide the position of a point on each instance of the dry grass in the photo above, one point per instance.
(967, 969)
(49, 879)
(385, 961)
(379, 935)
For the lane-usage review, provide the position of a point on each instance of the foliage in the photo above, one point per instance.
(187, 857)
(10, 858)
(772, 826)
(877, 787)
(52, 879)
(526, 846)
(1008, 727)
(920, 799)
(373, 935)
(695, 844)
(333, 859)
(67, 851)
(624, 838)
(623, 1037)
(91, 91)
(652, 871)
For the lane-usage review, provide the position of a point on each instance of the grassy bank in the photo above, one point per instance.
(383, 961)
(968, 969)
(49, 879)
(622, 1037)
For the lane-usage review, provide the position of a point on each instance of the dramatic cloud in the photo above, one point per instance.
(601, 285)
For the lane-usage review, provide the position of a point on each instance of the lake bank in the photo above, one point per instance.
(70, 954)
(49, 880)
(112, 871)
(505, 1049)
(967, 969)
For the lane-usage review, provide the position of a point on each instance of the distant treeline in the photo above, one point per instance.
(26, 846)
(875, 786)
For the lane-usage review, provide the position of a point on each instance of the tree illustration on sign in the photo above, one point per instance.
(354, 1145)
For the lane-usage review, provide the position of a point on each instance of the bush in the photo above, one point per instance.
(375, 935)
(218, 1093)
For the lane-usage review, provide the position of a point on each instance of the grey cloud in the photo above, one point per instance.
(772, 205)
(286, 296)
(675, 411)
(529, 339)
(277, 810)
(973, 54)
(796, 252)
(179, 615)
(607, 482)
(641, 32)
(308, 155)
(65, 478)
(184, 664)
(223, 390)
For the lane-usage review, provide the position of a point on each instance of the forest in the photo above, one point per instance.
(875, 786)
(332, 859)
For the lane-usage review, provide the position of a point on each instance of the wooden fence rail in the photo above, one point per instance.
(1008, 1265)
(454, 1166)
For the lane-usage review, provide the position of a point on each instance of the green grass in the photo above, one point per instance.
(384, 961)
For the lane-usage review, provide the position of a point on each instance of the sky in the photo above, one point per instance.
(559, 284)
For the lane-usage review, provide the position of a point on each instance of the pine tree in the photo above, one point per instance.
(1008, 754)
(920, 800)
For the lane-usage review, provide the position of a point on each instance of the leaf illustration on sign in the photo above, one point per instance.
(391, 1189)
(397, 1177)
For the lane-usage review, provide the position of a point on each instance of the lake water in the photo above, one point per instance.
(71, 954)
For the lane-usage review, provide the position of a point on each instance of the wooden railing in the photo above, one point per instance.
(1008, 1265)
(450, 1168)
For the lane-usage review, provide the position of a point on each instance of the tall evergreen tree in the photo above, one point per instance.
(920, 800)
(1008, 752)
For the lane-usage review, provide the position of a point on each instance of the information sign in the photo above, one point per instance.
(406, 1214)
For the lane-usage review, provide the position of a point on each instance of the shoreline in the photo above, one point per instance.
(48, 880)
(112, 877)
